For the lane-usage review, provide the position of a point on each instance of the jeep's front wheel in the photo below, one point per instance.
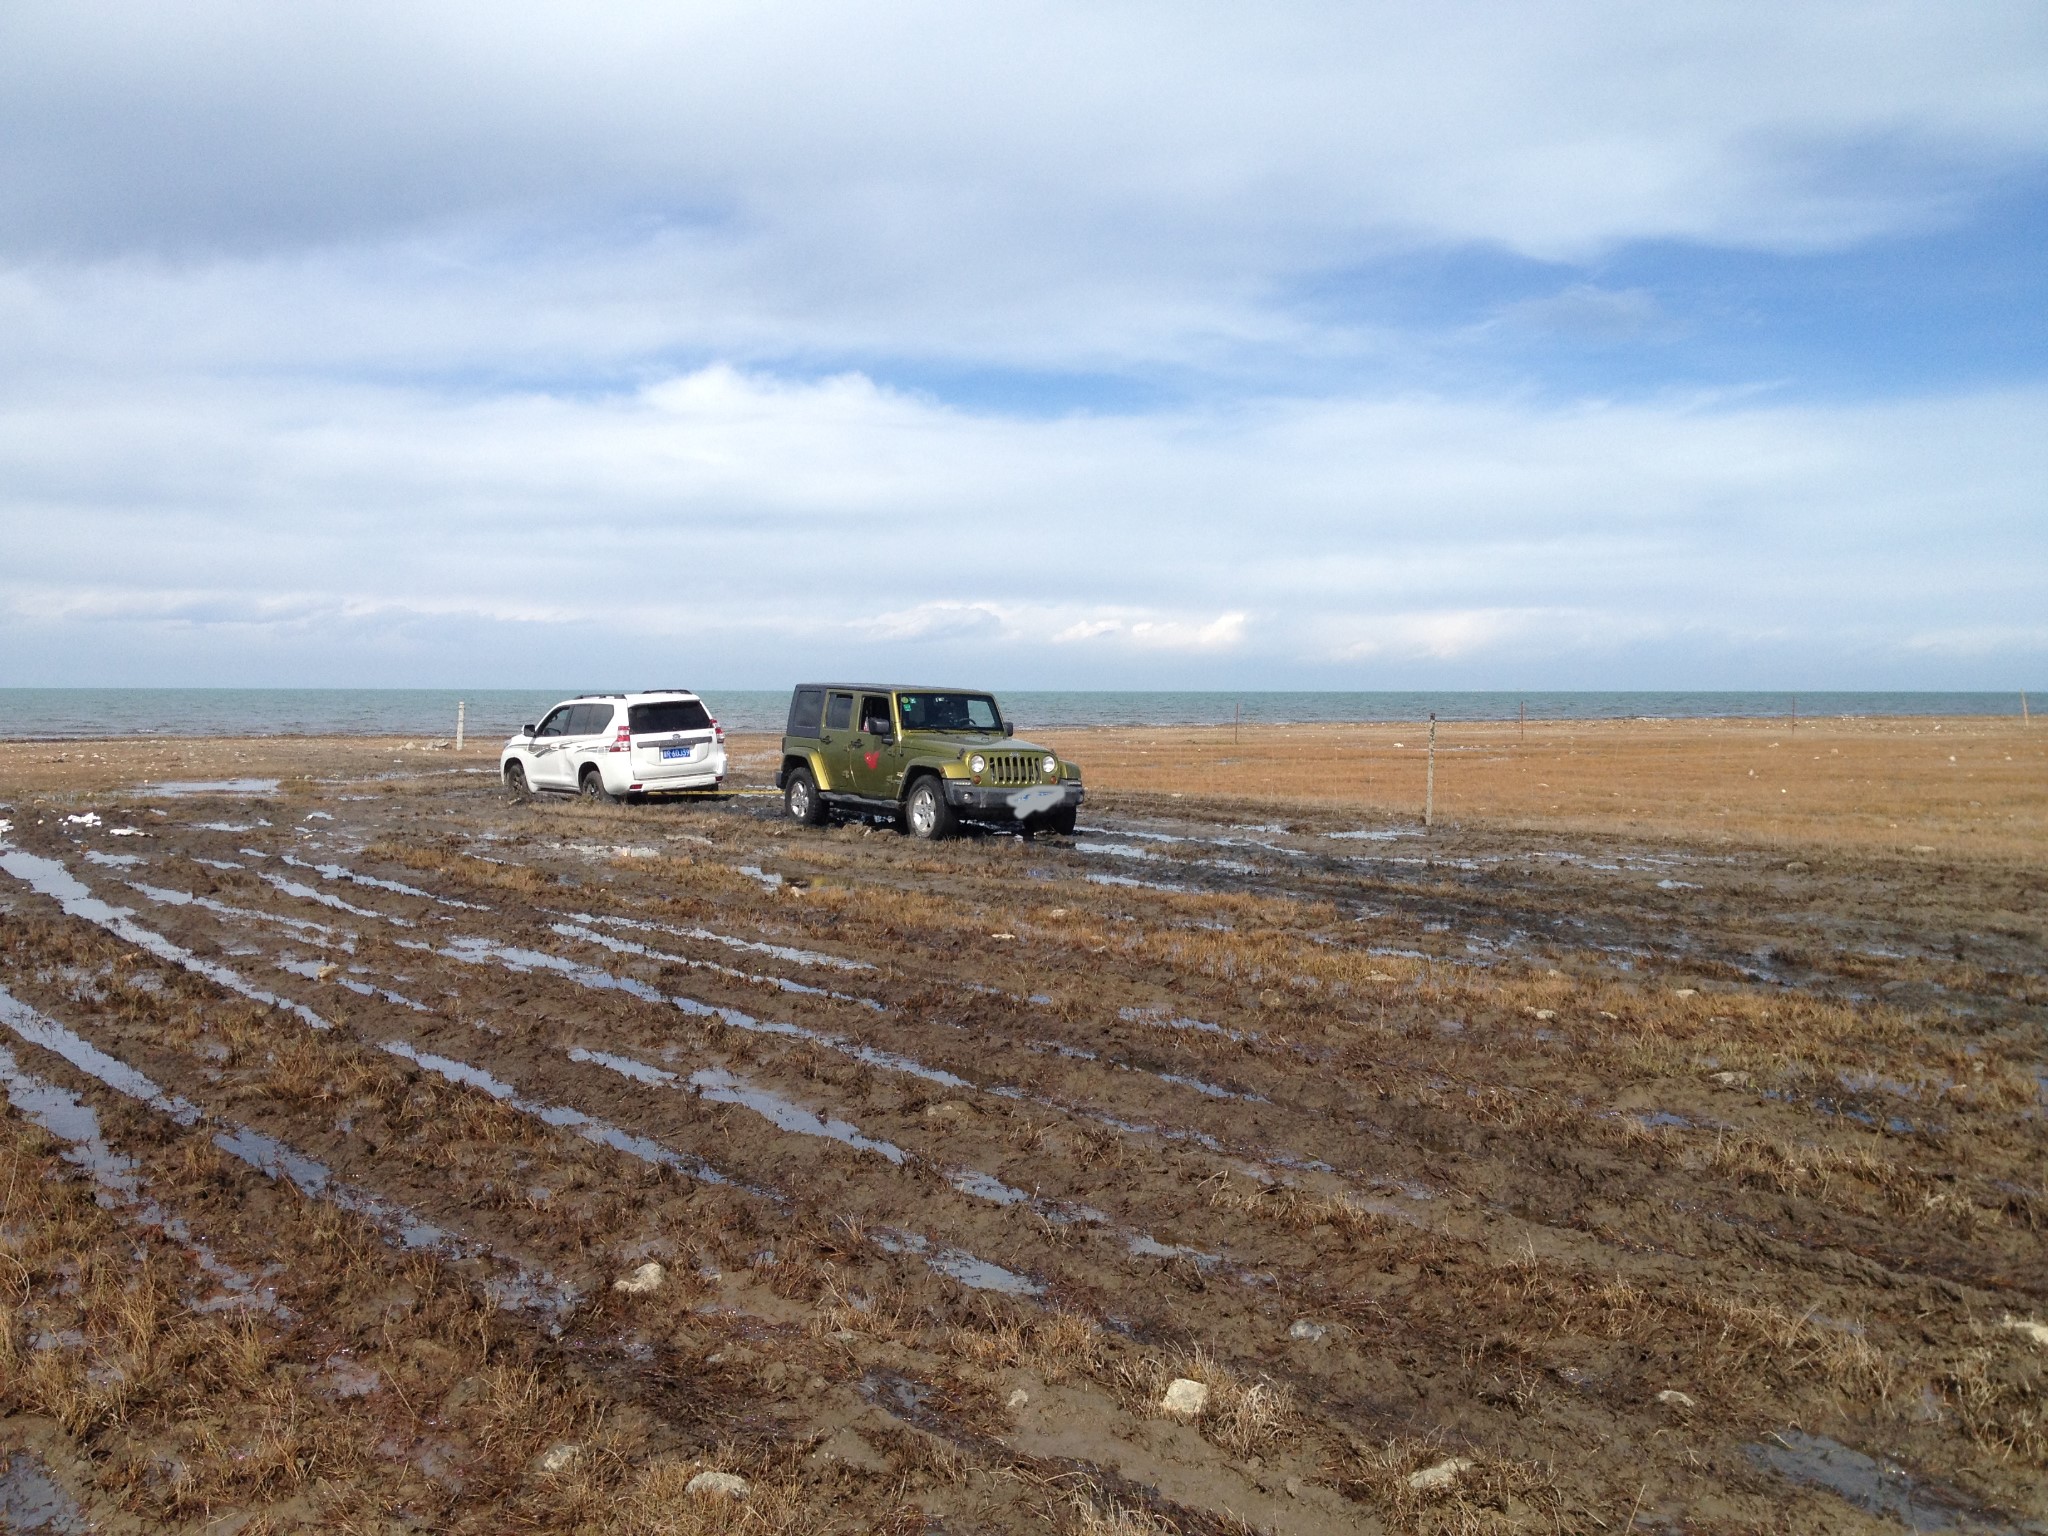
(801, 799)
(515, 782)
(926, 813)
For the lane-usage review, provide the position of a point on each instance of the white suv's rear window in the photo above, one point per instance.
(669, 715)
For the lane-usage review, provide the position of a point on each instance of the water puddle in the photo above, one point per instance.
(769, 880)
(706, 935)
(294, 888)
(518, 1290)
(230, 826)
(69, 1119)
(478, 951)
(178, 788)
(957, 1264)
(343, 872)
(1876, 1486)
(589, 1127)
(164, 896)
(780, 983)
(722, 1087)
(1208, 1090)
(322, 970)
(32, 1501)
(1160, 1019)
(1142, 885)
(986, 1186)
(114, 860)
(485, 951)
(1151, 1248)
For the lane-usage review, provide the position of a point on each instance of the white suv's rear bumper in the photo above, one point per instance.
(623, 777)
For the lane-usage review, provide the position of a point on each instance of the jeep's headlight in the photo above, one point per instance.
(977, 763)
(1051, 766)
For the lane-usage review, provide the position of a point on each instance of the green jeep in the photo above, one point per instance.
(929, 758)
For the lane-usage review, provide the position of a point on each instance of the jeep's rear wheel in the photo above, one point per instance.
(925, 811)
(592, 785)
(801, 799)
(515, 782)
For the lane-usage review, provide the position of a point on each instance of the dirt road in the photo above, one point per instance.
(384, 1154)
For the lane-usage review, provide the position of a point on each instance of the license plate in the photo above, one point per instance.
(671, 752)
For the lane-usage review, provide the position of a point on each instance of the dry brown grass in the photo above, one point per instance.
(1886, 783)
(103, 765)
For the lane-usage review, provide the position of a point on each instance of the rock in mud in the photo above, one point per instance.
(2038, 1332)
(1730, 1079)
(1018, 1399)
(645, 1280)
(717, 1485)
(558, 1458)
(1185, 1399)
(1442, 1475)
(1306, 1332)
(1671, 1398)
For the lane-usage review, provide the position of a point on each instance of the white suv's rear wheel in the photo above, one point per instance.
(594, 790)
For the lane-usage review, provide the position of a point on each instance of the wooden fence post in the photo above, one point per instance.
(1429, 789)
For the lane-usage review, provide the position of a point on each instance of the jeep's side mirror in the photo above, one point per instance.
(528, 730)
(1009, 729)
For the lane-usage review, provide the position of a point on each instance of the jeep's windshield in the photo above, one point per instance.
(948, 712)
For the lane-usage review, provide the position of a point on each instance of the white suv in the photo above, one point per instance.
(609, 746)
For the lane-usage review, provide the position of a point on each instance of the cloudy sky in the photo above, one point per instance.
(1182, 345)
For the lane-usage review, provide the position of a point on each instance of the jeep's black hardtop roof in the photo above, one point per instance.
(891, 688)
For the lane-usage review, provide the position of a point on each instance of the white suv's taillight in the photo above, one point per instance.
(623, 742)
(718, 733)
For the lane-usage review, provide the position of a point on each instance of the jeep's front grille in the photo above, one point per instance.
(1013, 769)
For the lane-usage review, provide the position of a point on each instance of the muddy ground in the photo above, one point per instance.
(1488, 1179)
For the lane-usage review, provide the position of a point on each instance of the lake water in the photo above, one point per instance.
(428, 713)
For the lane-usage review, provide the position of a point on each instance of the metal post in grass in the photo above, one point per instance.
(2025, 718)
(461, 708)
(1429, 783)
(1523, 733)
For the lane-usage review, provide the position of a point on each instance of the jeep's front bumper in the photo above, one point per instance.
(986, 803)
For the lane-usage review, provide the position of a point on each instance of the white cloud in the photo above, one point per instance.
(751, 521)
(520, 187)
(377, 341)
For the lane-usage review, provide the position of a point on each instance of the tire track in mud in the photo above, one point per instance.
(514, 1285)
(945, 1259)
(1213, 1307)
(52, 879)
(118, 1179)
(273, 1159)
(949, 1260)
(1141, 1243)
(1137, 1242)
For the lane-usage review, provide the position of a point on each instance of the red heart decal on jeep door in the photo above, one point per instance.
(874, 758)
